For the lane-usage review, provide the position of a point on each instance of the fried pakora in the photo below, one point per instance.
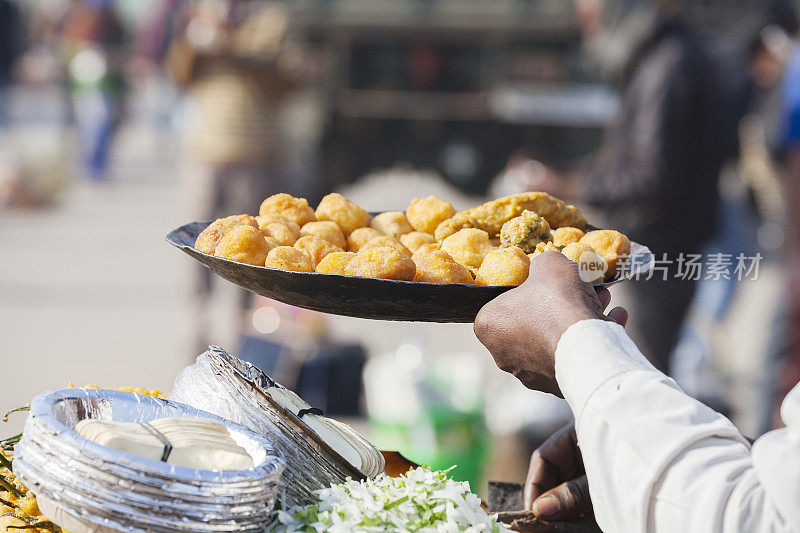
(325, 229)
(382, 262)
(244, 244)
(422, 251)
(468, 246)
(385, 240)
(286, 205)
(566, 235)
(280, 232)
(291, 224)
(315, 248)
(391, 223)
(288, 258)
(504, 266)
(415, 239)
(438, 266)
(335, 263)
(525, 231)
(613, 247)
(209, 238)
(491, 216)
(360, 237)
(425, 214)
(592, 266)
(348, 215)
(544, 247)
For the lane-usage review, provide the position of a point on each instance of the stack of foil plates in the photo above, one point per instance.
(87, 487)
(318, 451)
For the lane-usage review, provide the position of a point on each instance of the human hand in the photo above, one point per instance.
(521, 327)
(556, 487)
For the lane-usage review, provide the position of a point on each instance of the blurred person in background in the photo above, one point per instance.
(655, 176)
(238, 64)
(10, 49)
(93, 43)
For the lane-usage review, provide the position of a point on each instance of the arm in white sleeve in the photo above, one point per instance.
(658, 460)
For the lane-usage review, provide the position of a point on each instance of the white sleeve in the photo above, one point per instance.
(658, 460)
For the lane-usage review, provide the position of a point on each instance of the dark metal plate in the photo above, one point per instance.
(377, 299)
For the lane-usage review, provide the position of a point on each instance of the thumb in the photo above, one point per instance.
(619, 315)
(567, 501)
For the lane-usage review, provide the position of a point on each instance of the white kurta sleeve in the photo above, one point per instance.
(658, 460)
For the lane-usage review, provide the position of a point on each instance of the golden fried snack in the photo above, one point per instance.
(385, 240)
(415, 239)
(391, 223)
(468, 246)
(422, 251)
(592, 266)
(325, 229)
(280, 232)
(566, 235)
(315, 248)
(244, 244)
(335, 263)
(439, 267)
(360, 237)
(291, 224)
(383, 262)
(348, 215)
(525, 231)
(209, 238)
(612, 246)
(288, 258)
(491, 216)
(425, 214)
(288, 206)
(544, 247)
(504, 266)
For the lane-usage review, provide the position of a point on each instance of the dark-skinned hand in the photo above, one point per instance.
(521, 327)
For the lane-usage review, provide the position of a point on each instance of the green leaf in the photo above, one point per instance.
(7, 503)
(5, 462)
(17, 410)
(44, 524)
(10, 488)
(9, 443)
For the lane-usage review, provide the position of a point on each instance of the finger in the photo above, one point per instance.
(619, 315)
(565, 502)
(556, 461)
(605, 297)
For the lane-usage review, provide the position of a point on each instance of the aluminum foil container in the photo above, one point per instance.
(105, 488)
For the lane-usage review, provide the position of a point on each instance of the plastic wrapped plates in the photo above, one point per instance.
(88, 487)
(318, 451)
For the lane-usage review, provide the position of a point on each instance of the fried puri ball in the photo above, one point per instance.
(383, 262)
(525, 231)
(425, 214)
(612, 246)
(545, 247)
(325, 229)
(438, 266)
(291, 224)
(335, 263)
(422, 251)
(209, 238)
(391, 223)
(566, 235)
(244, 244)
(288, 258)
(504, 266)
(491, 216)
(415, 239)
(385, 240)
(468, 246)
(315, 248)
(286, 205)
(360, 237)
(592, 266)
(348, 215)
(280, 232)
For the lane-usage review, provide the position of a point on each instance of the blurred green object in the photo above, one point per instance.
(441, 437)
